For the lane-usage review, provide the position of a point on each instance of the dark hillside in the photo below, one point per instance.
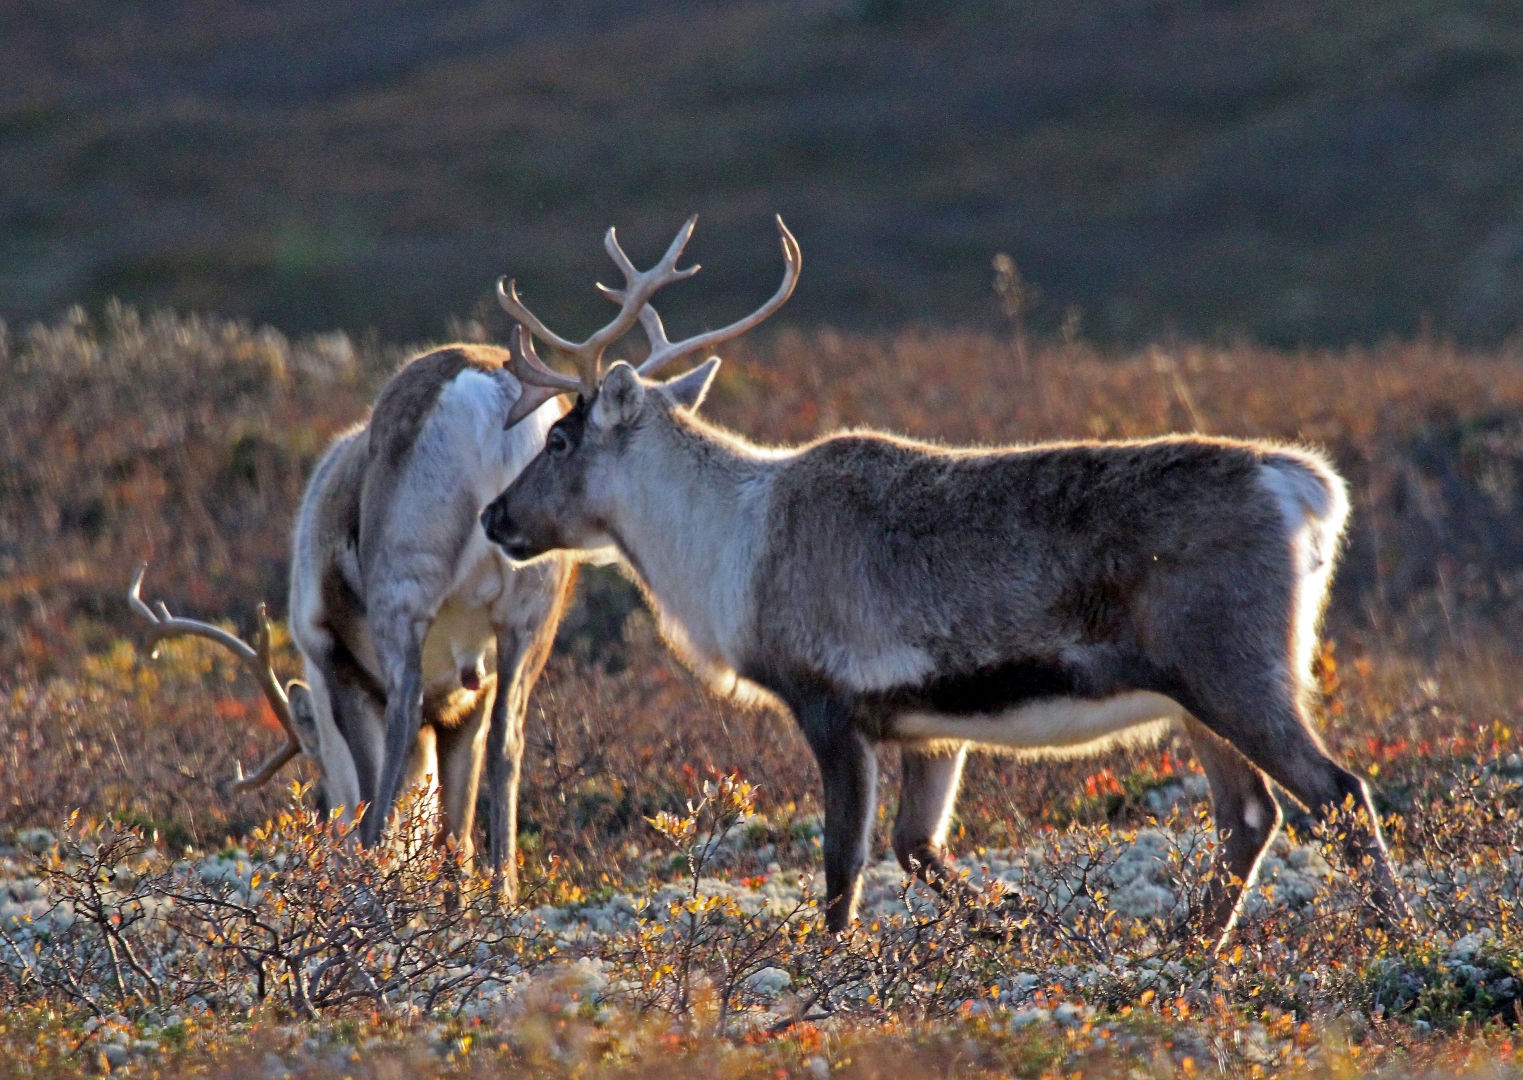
(1299, 170)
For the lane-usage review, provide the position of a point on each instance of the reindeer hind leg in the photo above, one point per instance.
(927, 793)
(1246, 817)
(1262, 717)
(462, 752)
(404, 717)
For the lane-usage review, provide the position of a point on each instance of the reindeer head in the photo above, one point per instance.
(567, 496)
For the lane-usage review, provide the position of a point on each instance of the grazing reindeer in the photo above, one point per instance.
(1051, 597)
(398, 600)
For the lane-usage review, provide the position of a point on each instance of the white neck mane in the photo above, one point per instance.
(692, 520)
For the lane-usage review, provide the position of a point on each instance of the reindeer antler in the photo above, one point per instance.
(537, 383)
(540, 383)
(663, 352)
(256, 657)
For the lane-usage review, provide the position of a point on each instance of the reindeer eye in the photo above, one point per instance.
(557, 444)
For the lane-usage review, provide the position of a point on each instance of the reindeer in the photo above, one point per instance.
(420, 640)
(1047, 598)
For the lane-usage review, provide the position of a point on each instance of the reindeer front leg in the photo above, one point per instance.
(404, 716)
(505, 756)
(527, 615)
(849, 772)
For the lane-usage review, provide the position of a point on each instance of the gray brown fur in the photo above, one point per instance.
(1051, 596)
(398, 602)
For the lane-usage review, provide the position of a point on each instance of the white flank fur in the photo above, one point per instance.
(1054, 727)
(698, 544)
(887, 667)
(461, 446)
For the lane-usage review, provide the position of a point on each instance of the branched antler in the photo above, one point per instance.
(256, 658)
(540, 383)
(663, 352)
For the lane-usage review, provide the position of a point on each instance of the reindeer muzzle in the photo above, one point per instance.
(502, 532)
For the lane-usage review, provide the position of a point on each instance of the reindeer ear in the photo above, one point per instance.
(688, 391)
(620, 396)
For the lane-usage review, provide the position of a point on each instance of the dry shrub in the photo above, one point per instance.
(180, 441)
(707, 946)
(172, 399)
(1055, 935)
(149, 742)
(306, 920)
(185, 442)
(337, 931)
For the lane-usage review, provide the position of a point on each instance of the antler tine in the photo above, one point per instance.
(256, 658)
(266, 772)
(538, 383)
(663, 352)
(165, 625)
(530, 369)
(515, 307)
(639, 287)
(663, 273)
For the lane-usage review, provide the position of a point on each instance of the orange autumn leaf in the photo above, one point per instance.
(230, 709)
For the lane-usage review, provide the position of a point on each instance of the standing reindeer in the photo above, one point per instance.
(420, 640)
(1051, 597)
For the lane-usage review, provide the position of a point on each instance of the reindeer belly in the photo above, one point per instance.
(1056, 726)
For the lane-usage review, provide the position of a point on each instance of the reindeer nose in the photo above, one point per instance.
(495, 522)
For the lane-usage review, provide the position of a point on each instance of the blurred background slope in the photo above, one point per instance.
(1320, 171)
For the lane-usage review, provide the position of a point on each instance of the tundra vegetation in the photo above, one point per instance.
(669, 919)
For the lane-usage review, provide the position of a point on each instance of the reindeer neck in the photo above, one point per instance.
(692, 524)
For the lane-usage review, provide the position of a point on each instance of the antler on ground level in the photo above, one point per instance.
(256, 658)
